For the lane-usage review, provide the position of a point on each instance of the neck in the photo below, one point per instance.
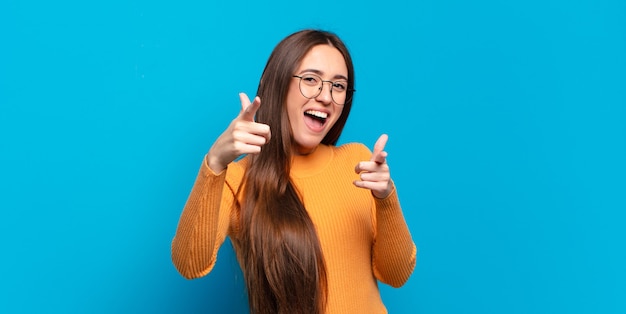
(302, 151)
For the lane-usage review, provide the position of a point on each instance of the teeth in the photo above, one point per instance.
(319, 114)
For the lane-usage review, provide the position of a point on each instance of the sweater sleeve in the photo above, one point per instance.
(203, 224)
(394, 252)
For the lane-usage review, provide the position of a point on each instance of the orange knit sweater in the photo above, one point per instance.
(363, 239)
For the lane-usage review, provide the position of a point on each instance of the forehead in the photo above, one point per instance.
(326, 60)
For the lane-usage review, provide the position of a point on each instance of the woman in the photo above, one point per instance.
(314, 226)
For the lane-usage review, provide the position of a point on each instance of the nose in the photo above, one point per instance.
(325, 96)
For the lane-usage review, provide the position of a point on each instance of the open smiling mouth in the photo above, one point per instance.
(315, 119)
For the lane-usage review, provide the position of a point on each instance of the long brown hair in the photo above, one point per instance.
(282, 259)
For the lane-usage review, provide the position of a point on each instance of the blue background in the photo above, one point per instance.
(507, 125)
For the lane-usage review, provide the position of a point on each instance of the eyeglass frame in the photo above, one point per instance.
(321, 88)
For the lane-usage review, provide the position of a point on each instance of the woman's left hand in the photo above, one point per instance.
(374, 173)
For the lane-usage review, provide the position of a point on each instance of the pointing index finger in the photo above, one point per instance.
(248, 110)
(379, 154)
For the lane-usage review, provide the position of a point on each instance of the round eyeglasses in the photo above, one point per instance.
(311, 86)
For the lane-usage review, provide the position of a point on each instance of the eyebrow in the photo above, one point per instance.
(320, 73)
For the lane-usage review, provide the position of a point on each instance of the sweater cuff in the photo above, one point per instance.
(206, 171)
(391, 201)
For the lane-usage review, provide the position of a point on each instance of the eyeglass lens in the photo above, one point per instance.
(312, 85)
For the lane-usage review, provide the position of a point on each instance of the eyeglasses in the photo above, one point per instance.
(311, 86)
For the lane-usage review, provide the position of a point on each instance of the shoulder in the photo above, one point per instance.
(355, 150)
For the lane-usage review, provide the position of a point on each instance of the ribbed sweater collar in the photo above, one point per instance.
(313, 163)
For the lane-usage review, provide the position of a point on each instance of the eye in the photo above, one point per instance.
(310, 80)
(340, 86)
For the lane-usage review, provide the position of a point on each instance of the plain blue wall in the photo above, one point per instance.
(507, 124)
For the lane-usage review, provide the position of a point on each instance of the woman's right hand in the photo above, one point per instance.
(243, 136)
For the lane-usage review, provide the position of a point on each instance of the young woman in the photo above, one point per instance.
(314, 226)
